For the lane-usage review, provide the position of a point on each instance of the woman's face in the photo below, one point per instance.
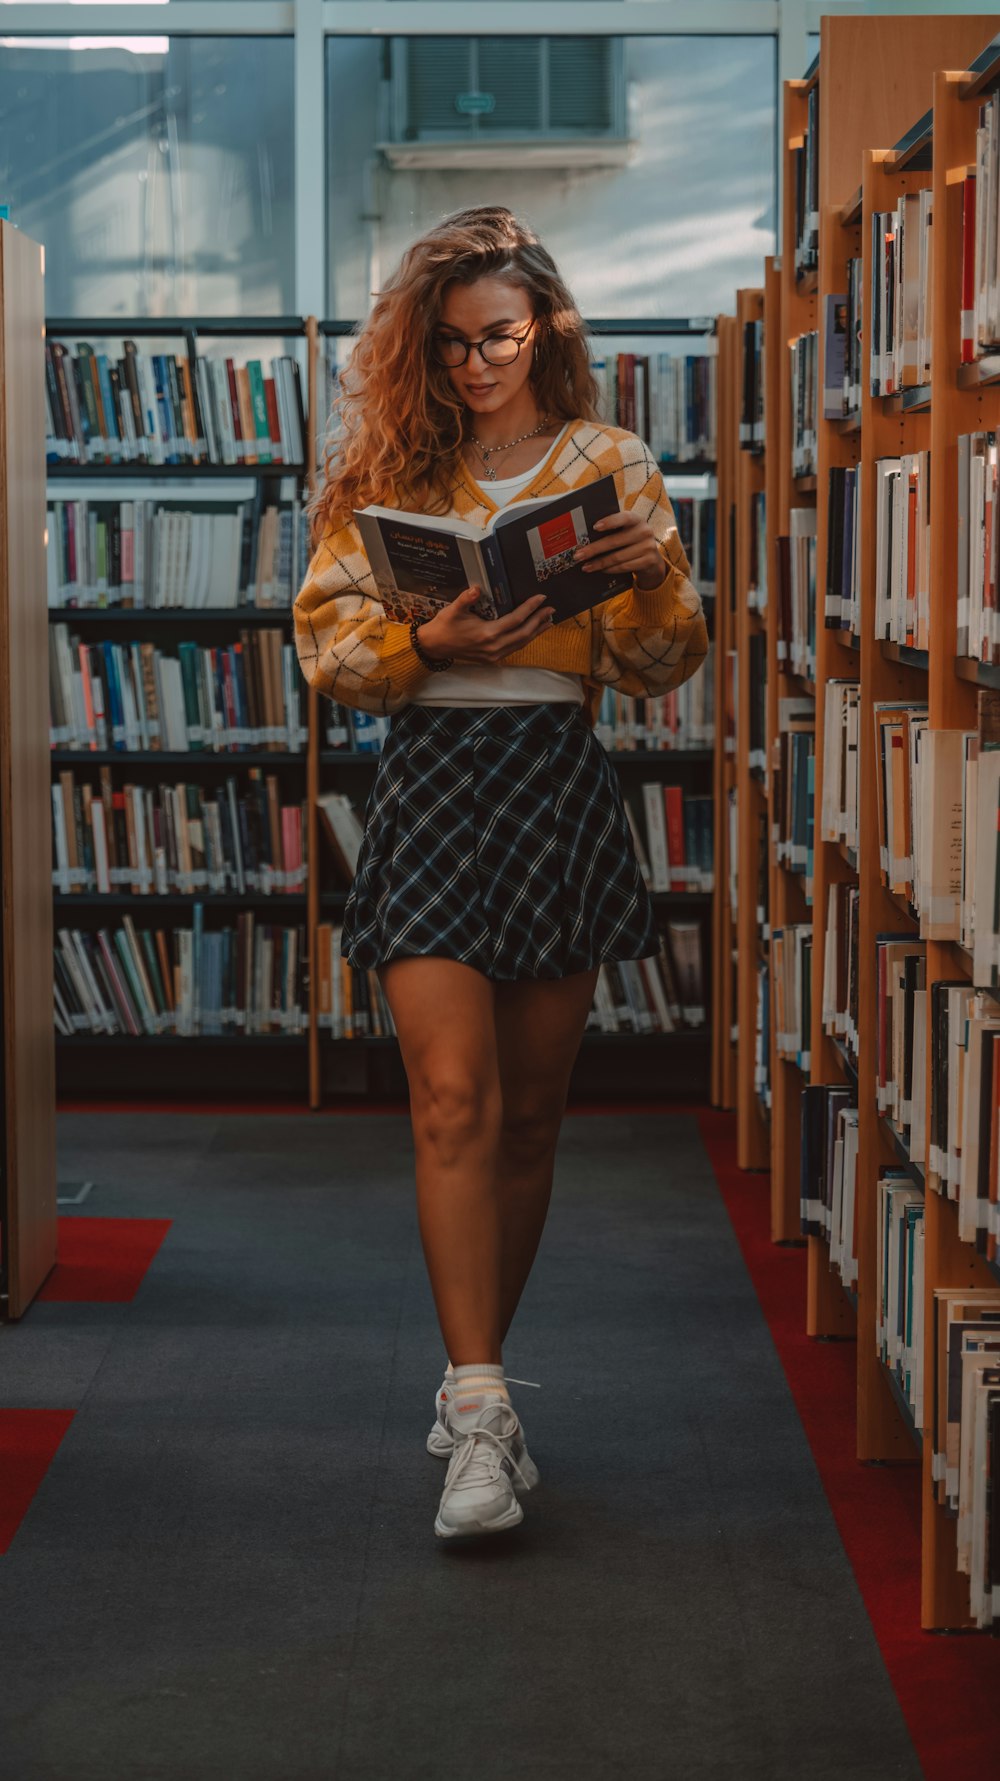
(486, 310)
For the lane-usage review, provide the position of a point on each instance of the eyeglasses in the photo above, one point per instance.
(496, 349)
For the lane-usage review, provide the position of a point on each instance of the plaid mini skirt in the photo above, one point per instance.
(497, 836)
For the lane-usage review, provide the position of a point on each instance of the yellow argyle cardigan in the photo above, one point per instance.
(640, 642)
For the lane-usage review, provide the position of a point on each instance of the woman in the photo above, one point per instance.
(497, 870)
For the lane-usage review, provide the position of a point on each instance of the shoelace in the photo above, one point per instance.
(495, 1442)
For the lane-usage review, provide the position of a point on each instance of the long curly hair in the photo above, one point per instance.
(401, 425)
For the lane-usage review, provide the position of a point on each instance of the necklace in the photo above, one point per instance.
(489, 451)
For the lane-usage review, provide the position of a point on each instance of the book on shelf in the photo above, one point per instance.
(899, 1325)
(171, 408)
(762, 1037)
(796, 566)
(695, 516)
(835, 353)
(757, 578)
(805, 174)
(899, 732)
(840, 967)
(791, 976)
(964, 1422)
(134, 697)
(422, 561)
(805, 402)
(757, 660)
(176, 840)
(243, 980)
(842, 602)
(661, 994)
(675, 846)
(792, 784)
(901, 1038)
(963, 1150)
(903, 549)
(978, 541)
(358, 732)
(752, 420)
(162, 555)
(344, 832)
(980, 215)
(841, 762)
(351, 1003)
(901, 295)
(668, 399)
(828, 1173)
(678, 720)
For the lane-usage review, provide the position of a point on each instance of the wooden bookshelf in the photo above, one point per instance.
(724, 1001)
(27, 1057)
(878, 140)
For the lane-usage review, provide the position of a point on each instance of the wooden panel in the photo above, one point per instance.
(25, 834)
(876, 80)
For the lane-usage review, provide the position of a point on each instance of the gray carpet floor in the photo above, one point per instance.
(229, 1572)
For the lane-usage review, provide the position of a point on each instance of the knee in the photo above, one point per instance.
(529, 1130)
(454, 1109)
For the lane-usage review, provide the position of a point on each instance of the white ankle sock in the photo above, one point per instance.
(472, 1388)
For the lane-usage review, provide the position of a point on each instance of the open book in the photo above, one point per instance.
(421, 561)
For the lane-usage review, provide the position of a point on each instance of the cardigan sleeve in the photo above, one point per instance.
(347, 648)
(647, 640)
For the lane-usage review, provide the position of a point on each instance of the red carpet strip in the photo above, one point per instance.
(948, 1685)
(103, 1260)
(28, 1441)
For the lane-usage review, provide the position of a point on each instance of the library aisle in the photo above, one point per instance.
(219, 1557)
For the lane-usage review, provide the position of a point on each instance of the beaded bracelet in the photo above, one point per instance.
(435, 666)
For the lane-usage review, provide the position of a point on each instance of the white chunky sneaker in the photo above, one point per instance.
(479, 1489)
(441, 1441)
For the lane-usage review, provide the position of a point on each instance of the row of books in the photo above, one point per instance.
(751, 425)
(978, 633)
(903, 549)
(350, 1002)
(696, 527)
(170, 408)
(981, 254)
(791, 978)
(793, 770)
(176, 840)
(805, 402)
(676, 851)
(160, 554)
(246, 979)
(134, 697)
(655, 995)
(684, 718)
(901, 1038)
(842, 596)
(901, 295)
(963, 1142)
(805, 172)
(899, 1315)
(841, 961)
(667, 399)
(828, 1173)
(963, 1415)
(757, 573)
(796, 594)
(842, 349)
(841, 758)
(762, 1037)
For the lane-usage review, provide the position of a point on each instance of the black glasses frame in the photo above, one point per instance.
(456, 339)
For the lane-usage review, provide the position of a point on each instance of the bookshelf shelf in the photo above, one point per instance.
(804, 485)
(900, 1147)
(978, 673)
(979, 374)
(67, 472)
(87, 902)
(912, 401)
(904, 655)
(171, 618)
(197, 760)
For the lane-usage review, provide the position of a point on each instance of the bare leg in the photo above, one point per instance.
(444, 1015)
(539, 1027)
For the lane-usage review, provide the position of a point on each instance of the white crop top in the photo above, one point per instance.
(489, 683)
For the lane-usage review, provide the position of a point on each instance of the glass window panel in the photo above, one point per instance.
(159, 176)
(674, 211)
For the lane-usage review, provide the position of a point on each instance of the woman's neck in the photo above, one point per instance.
(522, 415)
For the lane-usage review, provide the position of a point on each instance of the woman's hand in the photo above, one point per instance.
(626, 543)
(457, 632)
